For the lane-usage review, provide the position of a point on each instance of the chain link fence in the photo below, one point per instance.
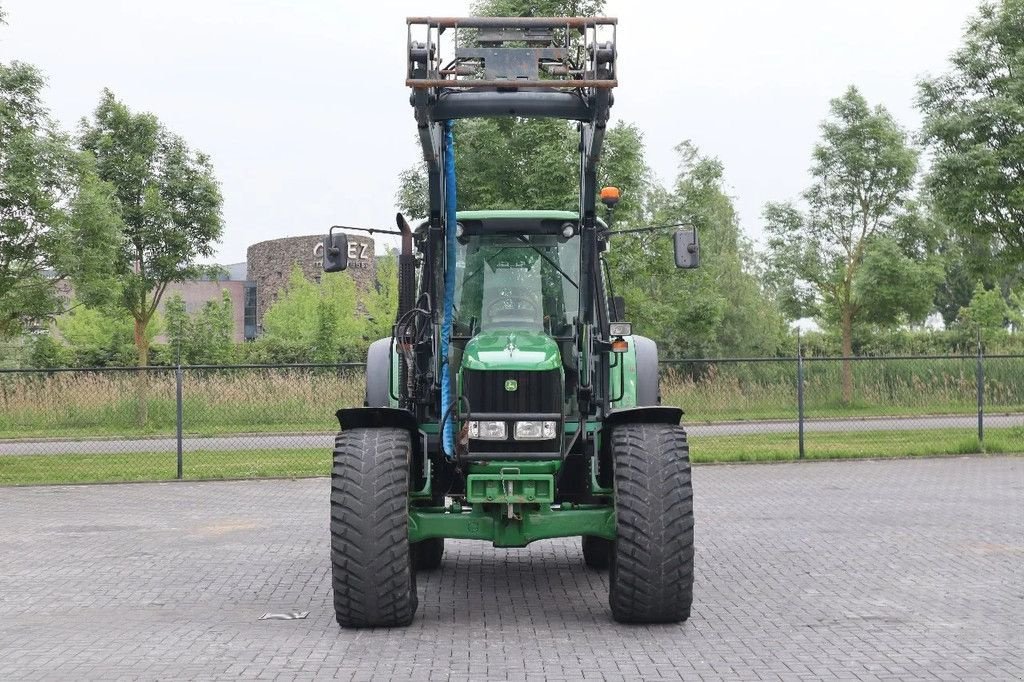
(832, 407)
(160, 423)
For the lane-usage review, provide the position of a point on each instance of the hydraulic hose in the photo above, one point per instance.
(448, 433)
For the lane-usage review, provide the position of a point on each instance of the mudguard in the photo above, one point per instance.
(375, 417)
(648, 391)
(653, 414)
(378, 366)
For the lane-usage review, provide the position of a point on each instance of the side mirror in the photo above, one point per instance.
(335, 251)
(687, 248)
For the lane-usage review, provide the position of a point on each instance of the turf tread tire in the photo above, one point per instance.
(372, 574)
(651, 578)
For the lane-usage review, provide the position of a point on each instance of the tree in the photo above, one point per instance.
(832, 259)
(381, 303)
(991, 313)
(204, 338)
(974, 123)
(170, 206)
(177, 327)
(58, 221)
(692, 313)
(212, 337)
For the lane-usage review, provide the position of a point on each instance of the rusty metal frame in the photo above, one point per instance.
(428, 83)
(595, 69)
(513, 22)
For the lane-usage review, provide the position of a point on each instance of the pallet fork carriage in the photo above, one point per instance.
(512, 403)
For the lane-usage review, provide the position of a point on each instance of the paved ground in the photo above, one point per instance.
(326, 441)
(853, 570)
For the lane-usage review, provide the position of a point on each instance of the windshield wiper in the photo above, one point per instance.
(550, 261)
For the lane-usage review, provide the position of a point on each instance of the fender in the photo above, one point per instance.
(375, 417)
(651, 414)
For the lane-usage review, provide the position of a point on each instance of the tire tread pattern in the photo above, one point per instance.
(651, 578)
(371, 570)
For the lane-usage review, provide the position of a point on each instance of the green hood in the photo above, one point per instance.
(511, 350)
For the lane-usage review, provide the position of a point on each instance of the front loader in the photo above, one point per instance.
(512, 402)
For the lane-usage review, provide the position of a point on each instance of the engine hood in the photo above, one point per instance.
(511, 350)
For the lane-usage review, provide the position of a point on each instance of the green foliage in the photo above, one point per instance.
(991, 313)
(205, 338)
(381, 303)
(177, 328)
(505, 164)
(974, 122)
(691, 313)
(315, 321)
(213, 333)
(47, 351)
(170, 204)
(875, 340)
(96, 337)
(57, 219)
(538, 8)
(893, 287)
(863, 174)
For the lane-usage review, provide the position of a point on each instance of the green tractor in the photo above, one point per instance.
(512, 403)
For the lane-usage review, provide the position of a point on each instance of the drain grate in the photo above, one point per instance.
(291, 615)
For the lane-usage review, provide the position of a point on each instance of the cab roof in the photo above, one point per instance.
(517, 215)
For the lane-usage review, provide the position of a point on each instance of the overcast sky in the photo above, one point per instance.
(303, 108)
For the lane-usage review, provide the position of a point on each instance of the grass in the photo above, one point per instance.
(852, 444)
(249, 463)
(162, 466)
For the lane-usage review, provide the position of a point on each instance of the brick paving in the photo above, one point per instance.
(852, 570)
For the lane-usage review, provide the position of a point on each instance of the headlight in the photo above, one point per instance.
(487, 430)
(535, 430)
(620, 329)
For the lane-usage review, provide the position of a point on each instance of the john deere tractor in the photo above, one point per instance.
(512, 402)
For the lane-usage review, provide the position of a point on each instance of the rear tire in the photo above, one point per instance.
(427, 554)
(597, 552)
(371, 564)
(651, 578)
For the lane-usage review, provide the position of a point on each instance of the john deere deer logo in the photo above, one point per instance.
(511, 385)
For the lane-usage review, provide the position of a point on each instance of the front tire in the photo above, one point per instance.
(651, 578)
(371, 564)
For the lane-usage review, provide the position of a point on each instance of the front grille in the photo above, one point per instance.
(536, 392)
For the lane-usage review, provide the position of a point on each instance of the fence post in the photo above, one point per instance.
(980, 375)
(800, 391)
(178, 421)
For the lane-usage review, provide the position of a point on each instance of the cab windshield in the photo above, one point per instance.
(516, 282)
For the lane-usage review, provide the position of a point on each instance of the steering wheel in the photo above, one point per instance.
(516, 306)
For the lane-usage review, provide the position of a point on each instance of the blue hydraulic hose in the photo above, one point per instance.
(448, 437)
